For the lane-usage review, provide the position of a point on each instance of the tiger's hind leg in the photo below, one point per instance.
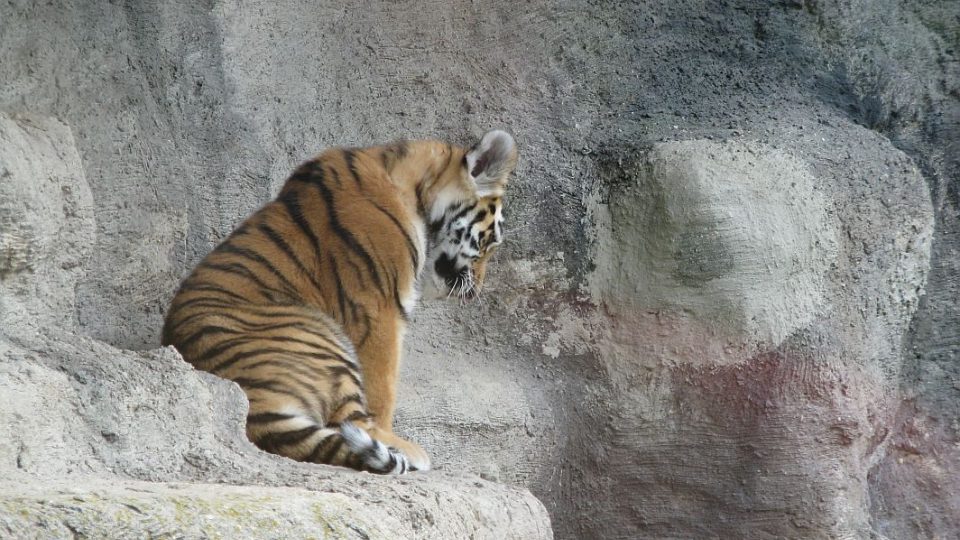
(366, 439)
(302, 437)
(329, 426)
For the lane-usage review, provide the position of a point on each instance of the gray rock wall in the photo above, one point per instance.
(96, 442)
(726, 306)
(47, 227)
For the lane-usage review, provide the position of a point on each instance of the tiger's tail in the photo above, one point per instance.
(346, 445)
(371, 454)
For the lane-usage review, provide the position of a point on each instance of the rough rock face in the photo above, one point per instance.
(728, 232)
(762, 343)
(727, 305)
(100, 443)
(46, 221)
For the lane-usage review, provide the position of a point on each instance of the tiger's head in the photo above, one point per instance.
(466, 223)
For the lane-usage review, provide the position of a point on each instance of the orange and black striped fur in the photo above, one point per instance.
(305, 304)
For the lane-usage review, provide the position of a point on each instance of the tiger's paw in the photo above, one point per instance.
(417, 457)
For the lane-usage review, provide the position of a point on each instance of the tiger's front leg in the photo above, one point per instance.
(379, 358)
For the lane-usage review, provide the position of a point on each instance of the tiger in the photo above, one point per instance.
(306, 303)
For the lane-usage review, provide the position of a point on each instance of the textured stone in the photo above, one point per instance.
(744, 358)
(101, 443)
(105, 443)
(728, 232)
(46, 221)
(813, 398)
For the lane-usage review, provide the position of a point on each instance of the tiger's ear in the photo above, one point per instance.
(490, 161)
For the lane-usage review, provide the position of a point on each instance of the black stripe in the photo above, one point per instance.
(189, 286)
(307, 172)
(321, 445)
(300, 322)
(268, 417)
(289, 386)
(258, 384)
(435, 226)
(220, 307)
(336, 176)
(213, 354)
(204, 301)
(390, 464)
(291, 202)
(278, 240)
(356, 315)
(342, 371)
(388, 270)
(248, 354)
(462, 212)
(268, 327)
(330, 343)
(272, 386)
(354, 461)
(341, 297)
(241, 270)
(337, 355)
(258, 258)
(280, 439)
(356, 415)
(199, 315)
(349, 156)
(205, 331)
(411, 247)
(331, 453)
(346, 236)
(174, 326)
(222, 364)
(291, 363)
(352, 398)
(357, 273)
(366, 329)
(179, 304)
(282, 310)
(290, 339)
(252, 329)
(320, 350)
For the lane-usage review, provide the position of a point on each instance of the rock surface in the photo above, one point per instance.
(47, 223)
(101, 443)
(96, 442)
(727, 304)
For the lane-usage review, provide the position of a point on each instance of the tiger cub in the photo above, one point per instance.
(305, 304)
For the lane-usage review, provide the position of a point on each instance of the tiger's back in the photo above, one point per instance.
(305, 304)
